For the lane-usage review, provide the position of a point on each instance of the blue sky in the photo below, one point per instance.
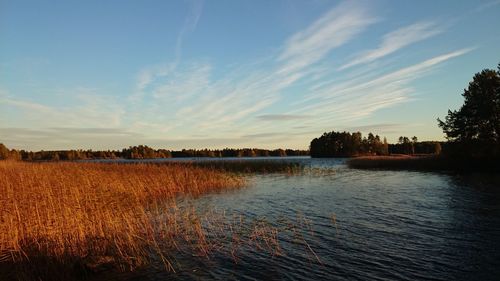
(268, 74)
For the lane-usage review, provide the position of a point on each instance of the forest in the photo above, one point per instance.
(141, 152)
(346, 144)
(333, 144)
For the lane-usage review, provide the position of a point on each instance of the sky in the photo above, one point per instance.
(216, 74)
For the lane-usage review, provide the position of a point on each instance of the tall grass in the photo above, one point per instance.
(252, 166)
(67, 215)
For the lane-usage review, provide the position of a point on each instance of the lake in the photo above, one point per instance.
(361, 225)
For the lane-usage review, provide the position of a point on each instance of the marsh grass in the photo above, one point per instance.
(238, 166)
(252, 166)
(87, 214)
(71, 220)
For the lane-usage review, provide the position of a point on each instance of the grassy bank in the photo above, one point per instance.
(425, 163)
(252, 166)
(76, 216)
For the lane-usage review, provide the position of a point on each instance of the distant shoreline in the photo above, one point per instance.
(425, 163)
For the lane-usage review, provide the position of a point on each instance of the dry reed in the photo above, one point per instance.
(62, 221)
(85, 214)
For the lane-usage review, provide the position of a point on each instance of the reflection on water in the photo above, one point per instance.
(395, 225)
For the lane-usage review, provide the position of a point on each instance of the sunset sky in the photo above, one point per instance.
(215, 74)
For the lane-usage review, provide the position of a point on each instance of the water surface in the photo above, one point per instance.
(390, 225)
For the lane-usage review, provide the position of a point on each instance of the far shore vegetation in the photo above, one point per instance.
(143, 152)
(472, 132)
(346, 144)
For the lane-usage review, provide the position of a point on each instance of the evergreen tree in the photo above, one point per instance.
(475, 127)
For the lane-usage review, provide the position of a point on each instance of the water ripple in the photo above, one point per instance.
(388, 226)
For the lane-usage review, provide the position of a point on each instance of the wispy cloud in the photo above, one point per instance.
(27, 105)
(281, 117)
(86, 110)
(382, 128)
(288, 96)
(190, 22)
(219, 105)
(263, 135)
(354, 101)
(221, 102)
(148, 75)
(183, 84)
(65, 138)
(332, 30)
(396, 40)
(487, 4)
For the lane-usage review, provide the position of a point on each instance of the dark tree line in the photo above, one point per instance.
(244, 152)
(142, 152)
(413, 146)
(345, 144)
(474, 129)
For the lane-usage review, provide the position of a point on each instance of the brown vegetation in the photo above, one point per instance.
(68, 215)
(68, 220)
(252, 166)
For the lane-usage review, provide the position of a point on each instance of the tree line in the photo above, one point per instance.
(142, 152)
(346, 144)
(473, 131)
(412, 146)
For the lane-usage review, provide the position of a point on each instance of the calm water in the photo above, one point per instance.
(390, 225)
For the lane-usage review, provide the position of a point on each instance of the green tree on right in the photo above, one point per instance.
(474, 129)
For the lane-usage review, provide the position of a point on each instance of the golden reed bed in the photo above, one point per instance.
(68, 214)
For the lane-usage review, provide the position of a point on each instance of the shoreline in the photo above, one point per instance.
(429, 163)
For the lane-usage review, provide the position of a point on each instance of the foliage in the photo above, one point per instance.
(142, 152)
(475, 127)
(244, 152)
(4, 152)
(405, 146)
(345, 144)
